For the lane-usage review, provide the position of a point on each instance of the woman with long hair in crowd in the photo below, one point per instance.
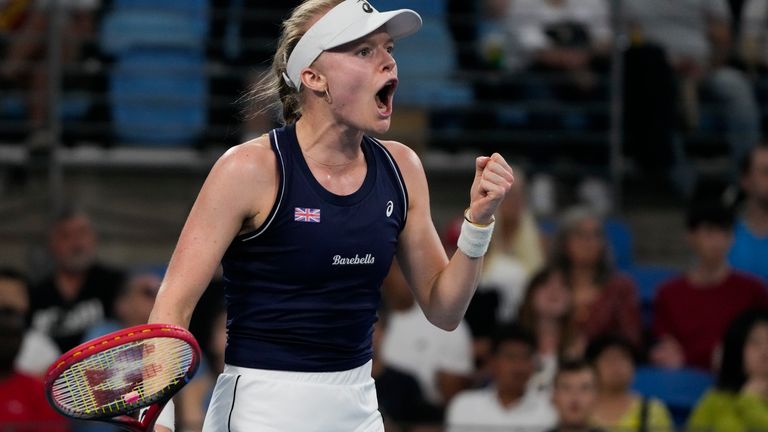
(739, 400)
(604, 301)
(546, 312)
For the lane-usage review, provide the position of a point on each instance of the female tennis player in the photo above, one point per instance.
(306, 221)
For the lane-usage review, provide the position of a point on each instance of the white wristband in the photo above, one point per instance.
(474, 240)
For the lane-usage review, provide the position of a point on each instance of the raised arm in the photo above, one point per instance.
(236, 196)
(443, 287)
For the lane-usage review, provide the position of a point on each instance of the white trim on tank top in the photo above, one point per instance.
(282, 192)
(397, 175)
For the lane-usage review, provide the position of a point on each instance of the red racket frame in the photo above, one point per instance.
(115, 339)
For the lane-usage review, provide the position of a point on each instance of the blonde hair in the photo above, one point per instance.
(271, 93)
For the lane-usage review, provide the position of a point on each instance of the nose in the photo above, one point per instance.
(389, 64)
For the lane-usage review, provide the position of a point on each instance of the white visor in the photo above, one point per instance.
(349, 21)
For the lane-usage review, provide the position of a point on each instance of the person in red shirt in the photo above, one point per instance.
(23, 407)
(692, 311)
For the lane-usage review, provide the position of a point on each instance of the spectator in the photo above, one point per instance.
(604, 301)
(517, 233)
(546, 312)
(739, 401)
(23, 406)
(574, 395)
(559, 36)
(508, 402)
(440, 361)
(243, 36)
(401, 400)
(750, 247)
(132, 306)
(80, 290)
(711, 288)
(617, 408)
(23, 57)
(696, 38)
(37, 350)
(753, 49)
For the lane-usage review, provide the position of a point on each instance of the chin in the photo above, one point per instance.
(380, 126)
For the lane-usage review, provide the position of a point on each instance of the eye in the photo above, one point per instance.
(364, 52)
(390, 49)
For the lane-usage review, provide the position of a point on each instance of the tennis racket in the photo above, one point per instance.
(112, 377)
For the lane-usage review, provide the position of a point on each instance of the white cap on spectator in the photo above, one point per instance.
(349, 21)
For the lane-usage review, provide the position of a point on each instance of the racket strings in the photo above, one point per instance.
(123, 378)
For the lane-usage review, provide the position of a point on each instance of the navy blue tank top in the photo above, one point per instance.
(302, 291)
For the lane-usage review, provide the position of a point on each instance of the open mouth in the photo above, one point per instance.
(384, 97)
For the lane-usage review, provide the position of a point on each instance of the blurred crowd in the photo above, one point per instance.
(557, 335)
(565, 331)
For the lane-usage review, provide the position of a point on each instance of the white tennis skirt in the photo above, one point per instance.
(258, 400)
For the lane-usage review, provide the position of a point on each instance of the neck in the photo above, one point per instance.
(548, 332)
(327, 143)
(583, 274)
(614, 396)
(508, 397)
(709, 273)
(69, 283)
(574, 427)
(756, 217)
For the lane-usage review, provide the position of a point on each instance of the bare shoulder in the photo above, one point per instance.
(253, 160)
(407, 159)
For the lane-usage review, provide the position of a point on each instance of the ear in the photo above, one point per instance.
(312, 79)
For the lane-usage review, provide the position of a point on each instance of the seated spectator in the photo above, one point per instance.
(559, 36)
(440, 361)
(617, 408)
(132, 306)
(508, 403)
(750, 246)
(80, 291)
(574, 395)
(37, 350)
(546, 312)
(753, 49)
(739, 401)
(696, 38)
(23, 406)
(516, 232)
(604, 301)
(711, 288)
(23, 45)
(401, 400)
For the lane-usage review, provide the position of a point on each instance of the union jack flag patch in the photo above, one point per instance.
(306, 215)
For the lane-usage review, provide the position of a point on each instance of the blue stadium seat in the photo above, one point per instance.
(159, 97)
(427, 60)
(619, 237)
(679, 389)
(648, 278)
(158, 88)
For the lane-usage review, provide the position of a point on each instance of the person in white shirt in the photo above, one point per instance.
(440, 361)
(507, 404)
